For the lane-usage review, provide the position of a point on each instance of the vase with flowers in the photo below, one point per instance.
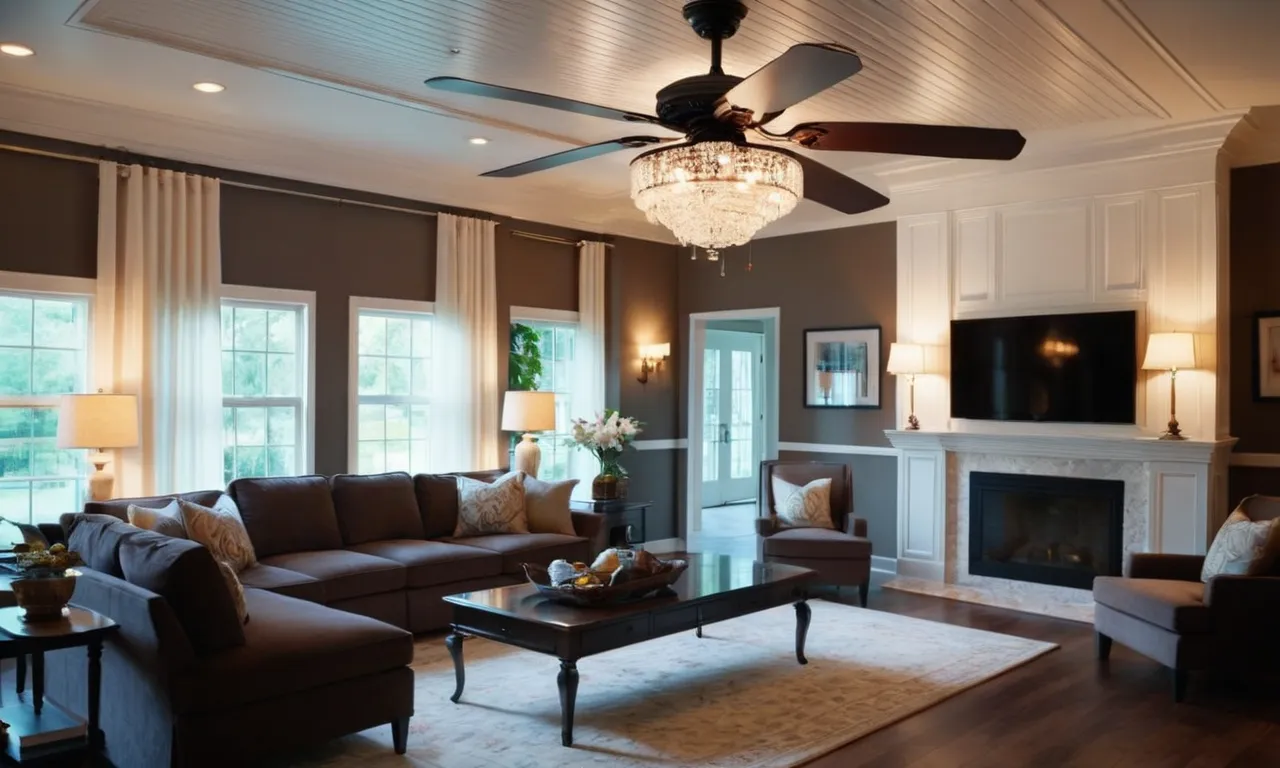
(606, 438)
(46, 579)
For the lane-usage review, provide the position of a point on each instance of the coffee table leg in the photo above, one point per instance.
(454, 643)
(37, 680)
(568, 682)
(802, 629)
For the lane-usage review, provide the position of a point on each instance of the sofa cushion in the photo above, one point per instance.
(491, 508)
(97, 539)
(1177, 606)
(290, 646)
(376, 507)
(434, 562)
(344, 574)
(186, 575)
(166, 519)
(283, 582)
(437, 504)
(540, 548)
(546, 504)
(287, 514)
(119, 508)
(817, 543)
(221, 531)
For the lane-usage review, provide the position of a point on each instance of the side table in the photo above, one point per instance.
(624, 523)
(28, 720)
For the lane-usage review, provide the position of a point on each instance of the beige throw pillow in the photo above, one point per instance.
(547, 505)
(1242, 546)
(166, 520)
(236, 589)
(221, 531)
(803, 507)
(496, 508)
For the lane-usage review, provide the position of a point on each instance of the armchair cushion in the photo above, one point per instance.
(1177, 606)
(802, 473)
(817, 544)
(803, 506)
(1244, 545)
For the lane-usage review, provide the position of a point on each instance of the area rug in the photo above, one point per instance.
(734, 699)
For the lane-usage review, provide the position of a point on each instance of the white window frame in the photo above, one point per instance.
(285, 298)
(358, 304)
(80, 288)
(555, 317)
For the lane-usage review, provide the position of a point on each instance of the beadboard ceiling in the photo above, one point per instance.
(331, 90)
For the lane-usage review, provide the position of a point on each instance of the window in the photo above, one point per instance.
(557, 335)
(266, 382)
(391, 384)
(43, 354)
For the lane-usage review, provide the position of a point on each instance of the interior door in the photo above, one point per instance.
(732, 416)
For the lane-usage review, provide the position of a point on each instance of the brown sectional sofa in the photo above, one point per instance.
(379, 549)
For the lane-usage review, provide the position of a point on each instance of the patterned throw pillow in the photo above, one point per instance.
(496, 508)
(803, 507)
(236, 589)
(1242, 547)
(166, 520)
(221, 531)
(547, 505)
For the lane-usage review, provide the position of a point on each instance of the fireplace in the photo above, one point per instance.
(1049, 530)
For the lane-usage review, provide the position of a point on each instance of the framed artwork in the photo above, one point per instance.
(1266, 356)
(842, 367)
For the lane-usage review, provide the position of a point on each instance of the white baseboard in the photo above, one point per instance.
(884, 564)
(664, 546)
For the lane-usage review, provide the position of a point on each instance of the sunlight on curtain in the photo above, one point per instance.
(589, 360)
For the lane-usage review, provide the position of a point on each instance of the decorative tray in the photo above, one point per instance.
(636, 589)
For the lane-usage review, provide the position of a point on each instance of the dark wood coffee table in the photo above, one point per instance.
(714, 588)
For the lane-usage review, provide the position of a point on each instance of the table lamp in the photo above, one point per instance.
(528, 412)
(907, 360)
(1171, 352)
(98, 422)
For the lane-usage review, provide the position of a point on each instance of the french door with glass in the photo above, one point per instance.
(732, 416)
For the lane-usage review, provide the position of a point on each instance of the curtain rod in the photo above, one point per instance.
(551, 238)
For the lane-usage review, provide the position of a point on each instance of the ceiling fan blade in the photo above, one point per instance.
(911, 139)
(833, 189)
(574, 155)
(800, 72)
(473, 88)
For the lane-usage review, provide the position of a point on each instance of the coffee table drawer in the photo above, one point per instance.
(678, 620)
(615, 635)
(507, 630)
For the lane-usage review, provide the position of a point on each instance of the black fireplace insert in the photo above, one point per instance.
(1048, 530)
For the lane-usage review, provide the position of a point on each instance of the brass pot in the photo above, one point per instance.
(604, 488)
(44, 599)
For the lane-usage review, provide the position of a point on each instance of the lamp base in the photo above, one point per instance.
(1173, 436)
(101, 481)
(528, 456)
(912, 423)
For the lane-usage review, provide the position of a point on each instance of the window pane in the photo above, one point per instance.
(373, 335)
(228, 426)
(282, 425)
(280, 460)
(229, 464)
(373, 375)
(15, 321)
(371, 458)
(398, 376)
(418, 457)
(422, 338)
(15, 371)
(228, 373)
(15, 457)
(397, 456)
(251, 373)
(44, 422)
(15, 500)
(228, 327)
(55, 371)
(282, 330)
(399, 336)
(282, 375)
(57, 324)
(421, 380)
(418, 421)
(250, 329)
(251, 462)
(47, 460)
(251, 428)
(50, 499)
(372, 422)
(397, 423)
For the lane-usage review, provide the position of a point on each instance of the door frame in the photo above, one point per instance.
(771, 317)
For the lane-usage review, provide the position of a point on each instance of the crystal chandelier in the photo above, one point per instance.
(715, 194)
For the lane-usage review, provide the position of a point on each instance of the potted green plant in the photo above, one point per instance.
(46, 580)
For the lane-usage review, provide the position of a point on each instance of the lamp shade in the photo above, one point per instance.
(528, 411)
(655, 351)
(905, 359)
(1170, 351)
(98, 421)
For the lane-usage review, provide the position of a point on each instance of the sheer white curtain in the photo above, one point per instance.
(464, 396)
(589, 355)
(157, 329)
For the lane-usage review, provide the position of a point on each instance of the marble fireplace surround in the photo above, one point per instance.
(1170, 489)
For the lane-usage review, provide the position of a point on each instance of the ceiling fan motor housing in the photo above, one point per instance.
(690, 103)
(715, 19)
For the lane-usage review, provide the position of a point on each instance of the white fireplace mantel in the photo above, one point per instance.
(1061, 446)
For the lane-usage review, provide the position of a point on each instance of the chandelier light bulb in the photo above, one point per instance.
(715, 194)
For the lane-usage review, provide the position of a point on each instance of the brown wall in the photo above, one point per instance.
(48, 215)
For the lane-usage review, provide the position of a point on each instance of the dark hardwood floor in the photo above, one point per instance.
(1064, 709)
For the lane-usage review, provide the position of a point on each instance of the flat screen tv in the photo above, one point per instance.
(1079, 368)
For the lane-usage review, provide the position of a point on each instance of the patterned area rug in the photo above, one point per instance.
(736, 698)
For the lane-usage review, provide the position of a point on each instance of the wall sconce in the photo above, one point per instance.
(652, 356)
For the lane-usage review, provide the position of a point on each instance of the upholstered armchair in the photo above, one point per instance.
(1162, 610)
(842, 557)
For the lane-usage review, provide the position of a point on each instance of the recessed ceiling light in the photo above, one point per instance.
(478, 140)
(210, 87)
(14, 49)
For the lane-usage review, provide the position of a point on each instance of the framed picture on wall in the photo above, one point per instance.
(1266, 356)
(842, 367)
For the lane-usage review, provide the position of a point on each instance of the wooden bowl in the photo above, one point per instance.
(636, 589)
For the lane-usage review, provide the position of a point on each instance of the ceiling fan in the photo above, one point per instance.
(717, 189)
